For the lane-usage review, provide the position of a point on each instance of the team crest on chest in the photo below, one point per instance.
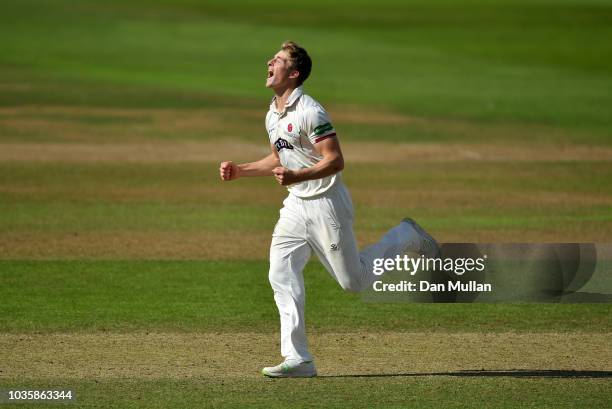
(282, 144)
(289, 128)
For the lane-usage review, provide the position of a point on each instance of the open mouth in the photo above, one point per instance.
(270, 73)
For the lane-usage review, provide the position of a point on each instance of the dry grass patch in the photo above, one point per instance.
(96, 124)
(139, 355)
(453, 152)
(355, 152)
(466, 199)
(135, 245)
(145, 152)
(254, 245)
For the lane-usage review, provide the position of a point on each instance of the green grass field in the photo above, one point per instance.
(130, 274)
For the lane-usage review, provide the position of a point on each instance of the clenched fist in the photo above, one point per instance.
(229, 171)
(284, 176)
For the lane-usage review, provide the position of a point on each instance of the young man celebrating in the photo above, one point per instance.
(317, 215)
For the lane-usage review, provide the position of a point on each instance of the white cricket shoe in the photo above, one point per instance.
(290, 369)
(427, 245)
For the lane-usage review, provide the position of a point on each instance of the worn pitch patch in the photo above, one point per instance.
(173, 355)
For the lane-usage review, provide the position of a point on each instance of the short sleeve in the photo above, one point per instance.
(317, 125)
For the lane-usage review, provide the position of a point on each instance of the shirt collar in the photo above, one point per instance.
(295, 95)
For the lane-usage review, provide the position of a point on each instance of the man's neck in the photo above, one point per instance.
(282, 96)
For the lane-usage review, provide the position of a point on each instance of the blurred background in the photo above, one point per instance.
(485, 120)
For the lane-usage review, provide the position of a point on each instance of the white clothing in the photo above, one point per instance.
(294, 132)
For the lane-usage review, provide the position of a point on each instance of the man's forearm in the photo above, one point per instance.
(262, 167)
(326, 167)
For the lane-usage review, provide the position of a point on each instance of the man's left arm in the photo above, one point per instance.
(332, 162)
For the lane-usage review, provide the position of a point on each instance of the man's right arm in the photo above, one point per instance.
(230, 171)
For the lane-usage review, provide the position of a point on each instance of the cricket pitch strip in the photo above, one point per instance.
(184, 355)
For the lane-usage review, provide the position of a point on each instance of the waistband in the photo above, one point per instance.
(337, 187)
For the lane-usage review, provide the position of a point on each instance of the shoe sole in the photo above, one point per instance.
(423, 233)
(287, 375)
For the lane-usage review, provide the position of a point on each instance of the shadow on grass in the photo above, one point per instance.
(515, 373)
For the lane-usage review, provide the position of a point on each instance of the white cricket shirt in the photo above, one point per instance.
(294, 132)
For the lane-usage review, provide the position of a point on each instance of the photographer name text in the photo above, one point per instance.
(426, 286)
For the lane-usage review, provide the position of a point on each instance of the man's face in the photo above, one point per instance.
(280, 72)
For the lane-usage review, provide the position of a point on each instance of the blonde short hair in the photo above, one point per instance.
(299, 58)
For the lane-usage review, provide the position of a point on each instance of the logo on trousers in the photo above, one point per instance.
(334, 247)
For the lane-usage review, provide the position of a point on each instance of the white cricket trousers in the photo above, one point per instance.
(323, 224)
